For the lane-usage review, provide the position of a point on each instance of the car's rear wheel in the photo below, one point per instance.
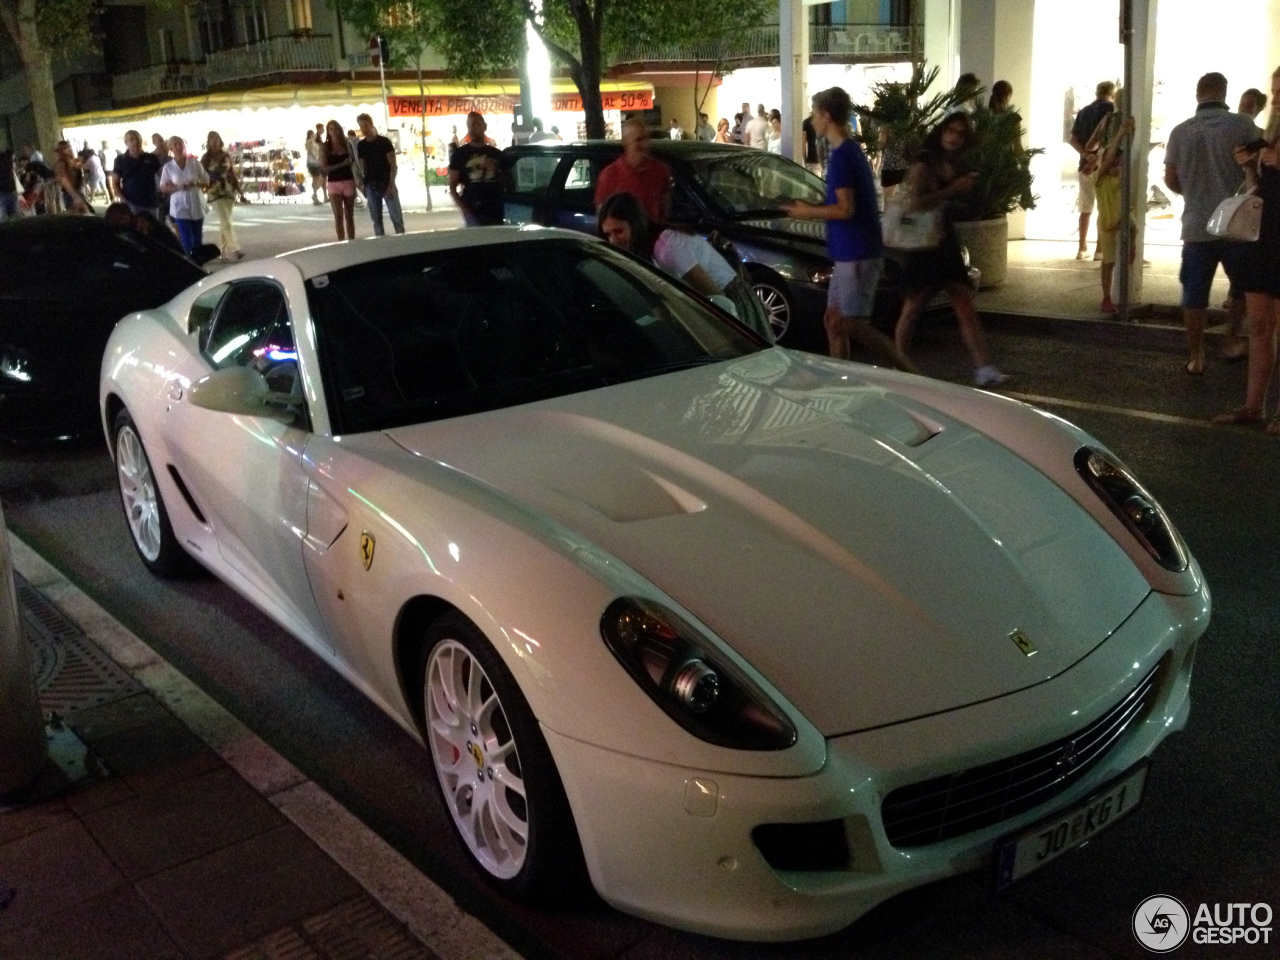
(144, 509)
(493, 766)
(778, 307)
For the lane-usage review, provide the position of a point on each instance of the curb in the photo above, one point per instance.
(428, 912)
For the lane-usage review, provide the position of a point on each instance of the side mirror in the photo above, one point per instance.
(242, 391)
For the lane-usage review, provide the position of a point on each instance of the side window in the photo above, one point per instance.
(580, 184)
(203, 309)
(251, 324)
(532, 174)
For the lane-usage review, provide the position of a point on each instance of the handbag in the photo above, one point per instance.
(907, 229)
(1237, 218)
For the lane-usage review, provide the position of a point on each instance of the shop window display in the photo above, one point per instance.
(269, 173)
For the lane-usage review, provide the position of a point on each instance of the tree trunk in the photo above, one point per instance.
(38, 66)
(587, 76)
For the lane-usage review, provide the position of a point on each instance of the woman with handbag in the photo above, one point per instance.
(931, 181)
(182, 181)
(221, 193)
(1258, 273)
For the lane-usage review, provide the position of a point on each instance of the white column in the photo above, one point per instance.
(793, 58)
(1140, 97)
(941, 29)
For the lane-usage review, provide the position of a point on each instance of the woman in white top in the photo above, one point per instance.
(773, 135)
(686, 256)
(183, 180)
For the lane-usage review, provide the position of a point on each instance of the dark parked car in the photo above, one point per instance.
(737, 191)
(64, 282)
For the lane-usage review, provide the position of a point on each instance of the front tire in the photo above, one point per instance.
(143, 504)
(493, 768)
(778, 304)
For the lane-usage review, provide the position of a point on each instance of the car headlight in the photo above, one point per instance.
(699, 689)
(821, 274)
(1134, 507)
(15, 364)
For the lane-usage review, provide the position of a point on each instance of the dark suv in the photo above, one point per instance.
(737, 191)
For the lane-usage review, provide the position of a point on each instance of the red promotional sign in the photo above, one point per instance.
(505, 103)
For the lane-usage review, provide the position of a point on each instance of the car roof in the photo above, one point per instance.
(666, 149)
(327, 257)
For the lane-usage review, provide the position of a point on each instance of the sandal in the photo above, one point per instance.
(1239, 416)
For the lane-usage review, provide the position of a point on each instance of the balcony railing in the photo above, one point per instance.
(163, 78)
(863, 40)
(311, 54)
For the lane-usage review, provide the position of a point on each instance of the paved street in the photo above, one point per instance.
(1209, 828)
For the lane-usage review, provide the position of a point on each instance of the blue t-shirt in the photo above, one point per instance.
(859, 237)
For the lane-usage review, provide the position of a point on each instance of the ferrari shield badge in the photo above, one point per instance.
(366, 549)
(1020, 639)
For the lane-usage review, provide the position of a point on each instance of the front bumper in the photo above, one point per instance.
(675, 845)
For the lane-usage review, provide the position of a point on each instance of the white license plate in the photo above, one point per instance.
(1043, 843)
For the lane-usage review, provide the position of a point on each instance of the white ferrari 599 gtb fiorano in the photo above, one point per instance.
(756, 638)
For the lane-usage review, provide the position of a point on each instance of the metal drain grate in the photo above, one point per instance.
(71, 672)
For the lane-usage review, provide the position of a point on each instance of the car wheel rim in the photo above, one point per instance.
(476, 760)
(776, 307)
(138, 493)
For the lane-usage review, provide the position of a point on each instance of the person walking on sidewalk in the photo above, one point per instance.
(221, 193)
(854, 241)
(1200, 164)
(1108, 143)
(340, 180)
(1259, 270)
(931, 181)
(135, 175)
(314, 149)
(1082, 130)
(476, 172)
(377, 158)
(182, 183)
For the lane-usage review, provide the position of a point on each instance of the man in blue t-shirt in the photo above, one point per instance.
(133, 177)
(853, 236)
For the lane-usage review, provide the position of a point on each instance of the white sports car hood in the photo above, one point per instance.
(866, 553)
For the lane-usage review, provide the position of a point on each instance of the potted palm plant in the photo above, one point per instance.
(1003, 167)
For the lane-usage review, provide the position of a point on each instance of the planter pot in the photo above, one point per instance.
(988, 245)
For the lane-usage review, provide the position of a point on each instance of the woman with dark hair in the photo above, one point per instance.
(340, 179)
(622, 221)
(1260, 271)
(932, 181)
(1001, 94)
(773, 135)
(70, 176)
(854, 241)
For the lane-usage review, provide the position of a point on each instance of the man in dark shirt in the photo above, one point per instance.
(476, 176)
(8, 187)
(378, 163)
(1086, 123)
(133, 176)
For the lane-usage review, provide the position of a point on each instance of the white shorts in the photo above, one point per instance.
(1087, 194)
(852, 289)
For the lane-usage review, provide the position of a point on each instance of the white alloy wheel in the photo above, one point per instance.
(138, 493)
(776, 306)
(476, 759)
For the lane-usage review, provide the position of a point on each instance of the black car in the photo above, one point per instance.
(64, 282)
(736, 191)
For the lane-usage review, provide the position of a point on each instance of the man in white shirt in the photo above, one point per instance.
(757, 129)
(677, 131)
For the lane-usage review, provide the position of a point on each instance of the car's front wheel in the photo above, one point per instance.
(775, 296)
(144, 509)
(493, 767)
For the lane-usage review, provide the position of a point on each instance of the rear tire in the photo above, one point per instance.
(494, 771)
(144, 509)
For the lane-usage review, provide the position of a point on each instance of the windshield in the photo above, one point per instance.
(429, 336)
(752, 183)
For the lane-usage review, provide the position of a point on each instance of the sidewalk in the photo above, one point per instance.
(190, 837)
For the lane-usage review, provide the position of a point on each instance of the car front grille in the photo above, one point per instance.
(959, 803)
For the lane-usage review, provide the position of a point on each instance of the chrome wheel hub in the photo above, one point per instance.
(138, 493)
(476, 759)
(775, 307)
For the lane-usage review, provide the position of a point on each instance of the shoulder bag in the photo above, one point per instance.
(1237, 218)
(907, 229)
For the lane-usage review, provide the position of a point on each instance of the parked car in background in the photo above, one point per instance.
(64, 282)
(735, 191)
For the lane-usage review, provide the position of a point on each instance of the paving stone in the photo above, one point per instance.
(361, 929)
(52, 870)
(161, 828)
(286, 944)
(155, 755)
(98, 723)
(32, 819)
(113, 926)
(240, 893)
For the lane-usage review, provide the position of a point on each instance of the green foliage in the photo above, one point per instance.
(902, 112)
(65, 27)
(1003, 167)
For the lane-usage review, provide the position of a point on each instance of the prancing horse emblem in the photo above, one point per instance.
(1023, 643)
(366, 549)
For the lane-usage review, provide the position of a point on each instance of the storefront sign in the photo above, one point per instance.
(506, 103)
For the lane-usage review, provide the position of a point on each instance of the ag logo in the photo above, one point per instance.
(366, 549)
(1161, 923)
